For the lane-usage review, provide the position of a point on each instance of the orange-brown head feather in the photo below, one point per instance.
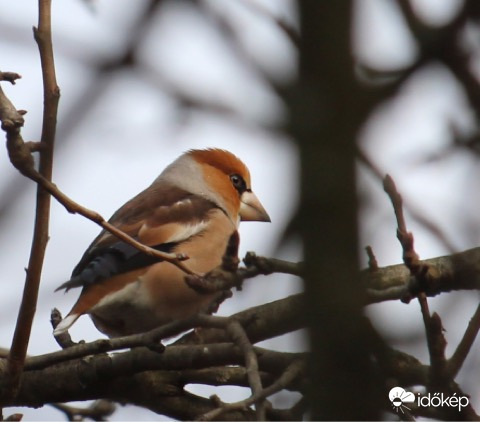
(217, 167)
(222, 160)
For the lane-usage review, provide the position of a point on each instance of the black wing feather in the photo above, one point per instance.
(116, 259)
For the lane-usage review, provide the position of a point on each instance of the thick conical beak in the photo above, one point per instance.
(251, 209)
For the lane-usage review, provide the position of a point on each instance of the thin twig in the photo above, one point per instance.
(465, 345)
(422, 299)
(419, 269)
(120, 374)
(150, 339)
(97, 411)
(416, 215)
(11, 118)
(75, 208)
(439, 379)
(410, 257)
(222, 278)
(372, 260)
(64, 340)
(20, 156)
(279, 317)
(422, 272)
(9, 77)
(51, 94)
(291, 373)
(239, 337)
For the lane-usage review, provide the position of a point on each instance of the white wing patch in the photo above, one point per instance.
(186, 231)
(133, 294)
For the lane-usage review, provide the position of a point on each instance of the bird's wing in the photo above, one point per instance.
(160, 217)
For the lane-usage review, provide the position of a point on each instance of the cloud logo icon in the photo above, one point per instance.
(398, 396)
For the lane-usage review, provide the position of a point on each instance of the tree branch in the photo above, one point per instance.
(9, 77)
(83, 379)
(260, 323)
(458, 358)
(290, 374)
(97, 411)
(459, 271)
(239, 337)
(63, 340)
(28, 305)
(440, 378)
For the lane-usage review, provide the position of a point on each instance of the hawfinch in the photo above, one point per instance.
(192, 208)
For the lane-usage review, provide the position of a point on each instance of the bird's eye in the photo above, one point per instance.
(238, 183)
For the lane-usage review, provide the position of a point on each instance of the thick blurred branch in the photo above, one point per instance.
(328, 107)
(446, 44)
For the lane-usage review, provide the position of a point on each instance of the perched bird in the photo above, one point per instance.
(192, 208)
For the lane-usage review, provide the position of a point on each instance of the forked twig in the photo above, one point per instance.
(433, 325)
(239, 337)
(291, 373)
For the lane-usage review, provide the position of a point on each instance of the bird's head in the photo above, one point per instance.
(221, 177)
